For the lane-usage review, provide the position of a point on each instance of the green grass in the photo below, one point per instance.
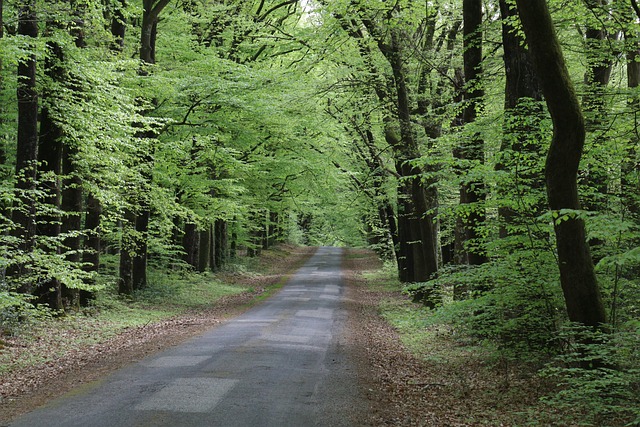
(186, 292)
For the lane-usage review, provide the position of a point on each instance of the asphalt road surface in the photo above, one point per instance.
(280, 364)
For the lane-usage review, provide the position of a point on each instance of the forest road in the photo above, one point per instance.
(282, 363)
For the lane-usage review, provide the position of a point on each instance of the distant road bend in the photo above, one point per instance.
(280, 364)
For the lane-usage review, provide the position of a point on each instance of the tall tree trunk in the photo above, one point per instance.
(204, 249)
(212, 248)
(577, 276)
(24, 213)
(50, 168)
(471, 152)
(118, 26)
(72, 206)
(220, 233)
(142, 238)
(599, 60)
(72, 185)
(190, 243)
(233, 245)
(631, 166)
(127, 251)
(92, 243)
(420, 259)
(151, 11)
(522, 119)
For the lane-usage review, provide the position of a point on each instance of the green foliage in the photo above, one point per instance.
(597, 377)
(513, 311)
(190, 291)
(17, 312)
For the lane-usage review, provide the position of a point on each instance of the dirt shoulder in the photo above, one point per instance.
(24, 390)
(449, 384)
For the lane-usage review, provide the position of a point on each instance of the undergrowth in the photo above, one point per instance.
(505, 329)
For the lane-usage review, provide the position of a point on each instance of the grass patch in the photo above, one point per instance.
(179, 292)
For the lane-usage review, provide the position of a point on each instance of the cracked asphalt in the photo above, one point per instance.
(282, 363)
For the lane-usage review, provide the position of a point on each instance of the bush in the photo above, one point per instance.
(597, 376)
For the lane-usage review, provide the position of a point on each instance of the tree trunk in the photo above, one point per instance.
(190, 242)
(521, 126)
(420, 256)
(220, 232)
(233, 246)
(212, 248)
(142, 238)
(273, 229)
(118, 26)
(147, 55)
(472, 192)
(92, 243)
(631, 167)
(24, 214)
(204, 248)
(50, 170)
(150, 14)
(577, 276)
(72, 206)
(127, 251)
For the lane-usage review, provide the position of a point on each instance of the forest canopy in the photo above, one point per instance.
(487, 150)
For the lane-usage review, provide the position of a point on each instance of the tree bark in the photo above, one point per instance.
(118, 26)
(139, 265)
(190, 242)
(472, 192)
(577, 276)
(50, 170)
(212, 248)
(420, 257)
(221, 251)
(92, 243)
(127, 251)
(24, 213)
(204, 248)
(521, 126)
(72, 206)
(151, 12)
